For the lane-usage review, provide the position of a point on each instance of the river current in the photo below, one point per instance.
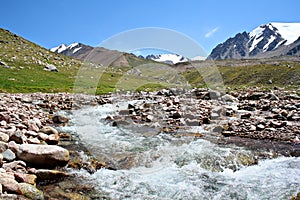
(161, 166)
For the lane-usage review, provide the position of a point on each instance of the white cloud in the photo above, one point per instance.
(211, 32)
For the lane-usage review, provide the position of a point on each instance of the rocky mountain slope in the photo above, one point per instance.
(269, 40)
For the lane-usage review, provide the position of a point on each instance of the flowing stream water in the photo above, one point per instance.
(161, 166)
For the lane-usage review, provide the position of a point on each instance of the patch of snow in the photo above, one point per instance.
(71, 46)
(256, 32)
(59, 49)
(289, 31)
(255, 42)
(77, 49)
(269, 42)
(170, 58)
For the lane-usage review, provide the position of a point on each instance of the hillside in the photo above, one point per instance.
(26, 67)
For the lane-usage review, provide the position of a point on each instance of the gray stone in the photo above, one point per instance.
(8, 155)
(45, 156)
(50, 68)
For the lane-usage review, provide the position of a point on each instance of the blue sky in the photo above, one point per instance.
(52, 22)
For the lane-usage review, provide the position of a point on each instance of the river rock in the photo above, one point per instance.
(18, 137)
(30, 191)
(10, 185)
(25, 178)
(45, 156)
(49, 130)
(45, 174)
(8, 155)
(4, 137)
(59, 119)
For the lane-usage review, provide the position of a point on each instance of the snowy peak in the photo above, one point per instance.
(168, 58)
(74, 50)
(263, 41)
(59, 49)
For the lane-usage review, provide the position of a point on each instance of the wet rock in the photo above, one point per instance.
(25, 178)
(59, 119)
(4, 137)
(45, 156)
(44, 174)
(8, 155)
(30, 191)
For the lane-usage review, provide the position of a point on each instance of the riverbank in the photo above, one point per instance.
(34, 151)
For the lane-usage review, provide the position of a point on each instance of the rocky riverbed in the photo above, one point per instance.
(34, 153)
(30, 153)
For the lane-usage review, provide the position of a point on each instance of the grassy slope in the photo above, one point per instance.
(27, 61)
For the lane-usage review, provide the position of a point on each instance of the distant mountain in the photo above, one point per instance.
(98, 55)
(167, 58)
(269, 40)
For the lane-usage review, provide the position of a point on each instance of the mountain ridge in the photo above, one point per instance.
(267, 40)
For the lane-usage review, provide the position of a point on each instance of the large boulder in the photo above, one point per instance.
(43, 156)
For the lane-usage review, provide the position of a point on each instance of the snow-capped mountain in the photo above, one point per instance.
(168, 58)
(273, 39)
(73, 50)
